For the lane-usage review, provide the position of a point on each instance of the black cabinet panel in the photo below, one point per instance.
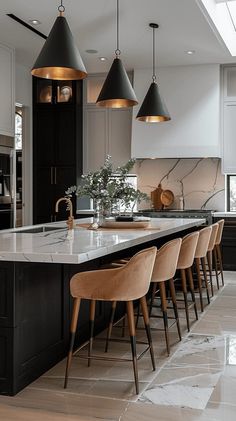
(228, 243)
(6, 298)
(6, 361)
(66, 137)
(39, 324)
(43, 131)
(57, 145)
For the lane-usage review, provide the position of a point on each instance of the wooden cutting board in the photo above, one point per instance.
(156, 198)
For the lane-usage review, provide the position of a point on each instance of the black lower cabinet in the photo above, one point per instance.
(35, 316)
(228, 243)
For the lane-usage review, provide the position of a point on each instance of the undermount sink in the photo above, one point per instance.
(36, 230)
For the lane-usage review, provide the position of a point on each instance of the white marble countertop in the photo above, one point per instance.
(80, 244)
(225, 214)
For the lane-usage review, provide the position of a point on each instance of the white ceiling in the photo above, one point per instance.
(182, 27)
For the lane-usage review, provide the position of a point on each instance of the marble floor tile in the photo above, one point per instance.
(225, 390)
(218, 327)
(224, 301)
(146, 412)
(8, 413)
(65, 404)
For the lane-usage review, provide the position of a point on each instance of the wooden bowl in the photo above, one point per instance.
(167, 197)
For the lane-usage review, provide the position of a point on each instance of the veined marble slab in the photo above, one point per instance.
(81, 245)
(187, 383)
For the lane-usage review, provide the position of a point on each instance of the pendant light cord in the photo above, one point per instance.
(117, 52)
(61, 8)
(154, 78)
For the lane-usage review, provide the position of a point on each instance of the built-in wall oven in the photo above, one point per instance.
(6, 183)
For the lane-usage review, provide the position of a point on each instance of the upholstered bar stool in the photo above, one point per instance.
(184, 265)
(163, 273)
(127, 283)
(200, 259)
(212, 243)
(217, 252)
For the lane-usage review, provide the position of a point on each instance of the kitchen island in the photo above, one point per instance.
(36, 264)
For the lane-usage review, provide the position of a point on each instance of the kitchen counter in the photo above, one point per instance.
(81, 245)
(36, 265)
(224, 214)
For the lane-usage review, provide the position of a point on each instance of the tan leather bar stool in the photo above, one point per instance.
(217, 252)
(184, 265)
(200, 258)
(163, 272)
(214, 231)
(127, 283)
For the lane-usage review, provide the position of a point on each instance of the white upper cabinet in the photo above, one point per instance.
(229, 84)
(192, 96)
(229, 138)
(229, 120)
(106, 131)
(7, 90)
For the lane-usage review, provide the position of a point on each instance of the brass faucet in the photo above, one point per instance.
(70, 220)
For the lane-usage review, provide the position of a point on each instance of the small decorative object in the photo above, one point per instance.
(110, 190)
(64, 94)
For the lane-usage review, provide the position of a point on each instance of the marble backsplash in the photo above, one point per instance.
(198, 181)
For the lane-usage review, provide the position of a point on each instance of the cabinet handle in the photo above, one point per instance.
(55, 175)
(51, 175)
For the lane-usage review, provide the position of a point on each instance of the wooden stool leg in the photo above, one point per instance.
(219, 255)
(109, 330)
(203, 262)
(164, 312)
(154, 288)
(131, 324)
(143, 303)
(197, 264)
(209, 261)
(138, 315)
(73, 327)
(216, 267)
(191, 287)
(184, 288)
(91, 325)
(123, 327)
(173, 297)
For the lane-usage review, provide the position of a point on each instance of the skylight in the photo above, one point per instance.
(221, 14)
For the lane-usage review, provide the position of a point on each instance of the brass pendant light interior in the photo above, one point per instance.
(153, 108)
(117, 91)
(59, 58)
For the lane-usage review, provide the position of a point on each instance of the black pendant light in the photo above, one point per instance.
(153, 108)
(60, 58)
(117, 91)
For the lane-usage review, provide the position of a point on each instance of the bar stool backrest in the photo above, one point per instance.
(221, 223)
(187, 250)
(166, 261)
(125, 283)
(214, 231)
(203, 242)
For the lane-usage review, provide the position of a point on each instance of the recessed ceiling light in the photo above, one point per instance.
(91, 51)
(190, 52)
(34, 21)
(102, 58)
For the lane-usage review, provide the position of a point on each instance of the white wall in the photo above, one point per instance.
(24, 97)
(192, 96)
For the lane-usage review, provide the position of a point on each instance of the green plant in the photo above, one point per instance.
(110, 186)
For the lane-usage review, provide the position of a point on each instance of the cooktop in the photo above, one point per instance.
(178, 210)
